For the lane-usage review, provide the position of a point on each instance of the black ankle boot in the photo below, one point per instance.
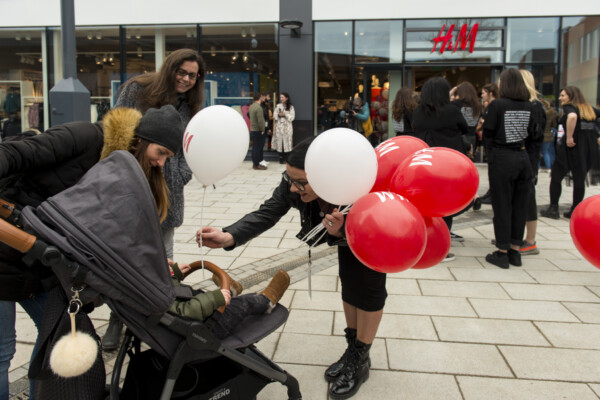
(334, 369)
(112, 337)
(354, 374)
(551, 212)
(281, 158)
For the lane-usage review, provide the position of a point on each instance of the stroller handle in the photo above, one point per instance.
(196, 265)
(15, 238)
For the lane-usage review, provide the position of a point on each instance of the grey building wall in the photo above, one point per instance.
(296, 65)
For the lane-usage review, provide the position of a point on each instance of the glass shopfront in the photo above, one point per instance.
(239, 58)
(373, 59)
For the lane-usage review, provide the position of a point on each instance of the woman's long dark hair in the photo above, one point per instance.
(156, 179)
(468, 95)
(512, 86)
(288, 103)
(159, 87)
(435, 95)
(404, 101)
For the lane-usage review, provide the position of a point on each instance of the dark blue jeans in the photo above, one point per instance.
(222, 325)
(258, 142)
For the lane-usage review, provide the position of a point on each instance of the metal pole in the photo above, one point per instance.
(67, 13)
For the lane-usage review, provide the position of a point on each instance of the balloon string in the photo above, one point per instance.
(313, 232)
(201, 224)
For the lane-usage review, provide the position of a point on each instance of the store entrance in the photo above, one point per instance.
(415, 77)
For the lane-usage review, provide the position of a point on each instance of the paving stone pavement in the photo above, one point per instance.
(460, 330)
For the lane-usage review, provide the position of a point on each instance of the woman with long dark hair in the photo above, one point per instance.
(180, 82)
(440, 124)
(464, 96)
(402, 112)
(507, 126)
(575, 151)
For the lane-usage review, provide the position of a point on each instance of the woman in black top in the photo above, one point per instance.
(402, 109)
(441, 124)
(507, 126)
(575, 151)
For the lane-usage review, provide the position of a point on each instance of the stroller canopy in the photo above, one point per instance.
(108, 222)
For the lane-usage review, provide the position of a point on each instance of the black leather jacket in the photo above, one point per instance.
(271, 211)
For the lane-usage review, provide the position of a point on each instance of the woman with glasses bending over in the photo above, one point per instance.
(363, 289)
(180, 82)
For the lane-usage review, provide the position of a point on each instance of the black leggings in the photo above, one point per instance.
(223, 325)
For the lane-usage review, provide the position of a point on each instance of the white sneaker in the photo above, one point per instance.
(264, 163)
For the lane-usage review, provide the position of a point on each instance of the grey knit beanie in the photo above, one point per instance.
(162, 126)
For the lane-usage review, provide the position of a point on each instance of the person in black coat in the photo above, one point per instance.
(363, 289)
(39, 166)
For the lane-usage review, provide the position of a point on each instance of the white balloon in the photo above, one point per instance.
(215, 143)
(341, 166)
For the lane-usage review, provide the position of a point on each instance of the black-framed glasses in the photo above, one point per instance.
(182, 72)
(301, 186)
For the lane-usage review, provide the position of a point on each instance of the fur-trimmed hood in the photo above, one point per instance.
(119, 125)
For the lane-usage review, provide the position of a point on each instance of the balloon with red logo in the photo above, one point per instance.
(390, 155)
(438, 243)
(585, 226)
(439, 181)
(385, 232)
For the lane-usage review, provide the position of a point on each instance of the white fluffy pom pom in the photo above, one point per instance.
(73, 355)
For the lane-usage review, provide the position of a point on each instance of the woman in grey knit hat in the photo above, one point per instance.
(180, 82)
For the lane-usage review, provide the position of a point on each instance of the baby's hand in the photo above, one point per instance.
(227, 295)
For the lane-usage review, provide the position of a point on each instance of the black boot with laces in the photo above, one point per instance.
(355, 373)
(334, 369)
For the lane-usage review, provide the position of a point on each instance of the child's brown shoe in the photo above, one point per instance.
(277, 287)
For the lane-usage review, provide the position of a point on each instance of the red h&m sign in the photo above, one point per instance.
(461, 40)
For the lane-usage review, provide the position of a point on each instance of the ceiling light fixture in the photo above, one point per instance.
(292, 24)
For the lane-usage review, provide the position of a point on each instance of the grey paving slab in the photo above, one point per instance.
(566, 277)
(589, 313)
(309, 322)
(402, 327)
(451, 358)
(574, 265)
(522, 310)
(575, 336)
(437, 272)
(402, 286)
(487, 290)
(550, 292)
(429, 305)
(310, 377)
(493, 331)
(475, 388)
(325, 301)
(492, 275)
(553, 364)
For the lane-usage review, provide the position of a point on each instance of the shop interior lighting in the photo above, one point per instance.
(213, 51)
(139, 51)
(254, 43)
(138, 34)
(18, 36)
(252, 32)
(98, 35)
(90, 36)
(244, 33)
(245, 57)
(28, 36)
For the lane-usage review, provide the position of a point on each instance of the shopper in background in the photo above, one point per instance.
(550, 131)
(533, 146)
(506, 128)
(179, 82)
(402, 112)
(576, 150)
(283, 134)
(489, 93)
(257, 131)
(464, 96)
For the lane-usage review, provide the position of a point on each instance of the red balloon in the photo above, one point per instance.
(390, 155)
(439, 181)
(585, 225)
(385, 232)
(438, 243)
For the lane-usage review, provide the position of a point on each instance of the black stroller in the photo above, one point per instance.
(101, 238)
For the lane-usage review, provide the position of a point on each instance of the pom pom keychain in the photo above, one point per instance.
(75, 353)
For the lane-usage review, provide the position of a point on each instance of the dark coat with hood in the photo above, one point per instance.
(37, 167)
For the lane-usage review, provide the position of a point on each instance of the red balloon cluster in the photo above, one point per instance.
(398, 226)
(585, 225)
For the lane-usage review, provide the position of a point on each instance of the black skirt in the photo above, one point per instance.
(362, 287)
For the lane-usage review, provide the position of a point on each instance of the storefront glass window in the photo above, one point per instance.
(21, 81)
(180, 37)
(333, 57)
(532, 40)
(140, 50)
(98, 66)
(378, 41)
(579, 63)
(240, 59)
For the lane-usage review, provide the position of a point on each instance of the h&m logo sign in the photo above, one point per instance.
(462, 38)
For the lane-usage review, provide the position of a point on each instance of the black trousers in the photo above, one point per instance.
(223, 325)
(510, 182)
(578, 160)
(258, 142)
